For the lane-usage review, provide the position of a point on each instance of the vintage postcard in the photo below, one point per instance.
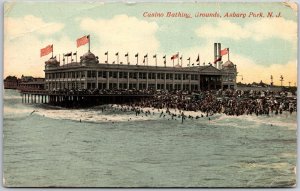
(101, 94)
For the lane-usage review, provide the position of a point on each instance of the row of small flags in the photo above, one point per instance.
(86, 39)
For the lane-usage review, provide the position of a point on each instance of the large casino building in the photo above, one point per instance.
(90, 74)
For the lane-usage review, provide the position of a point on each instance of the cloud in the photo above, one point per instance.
(252, 72)
(123, 34)
(22, 56)
(258, 30)
(223, 29)
(273, 28)
(16, 27)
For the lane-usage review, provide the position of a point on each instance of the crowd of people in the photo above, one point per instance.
(229, 102)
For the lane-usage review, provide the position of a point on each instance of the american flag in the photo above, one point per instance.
(83, 40)
(45, 51)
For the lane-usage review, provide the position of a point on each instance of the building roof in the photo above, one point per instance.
(51, 61)
(228, 63)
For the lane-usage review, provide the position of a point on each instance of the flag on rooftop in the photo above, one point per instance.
(137, 54)
(106, 53)
(218, 59)
(45, 51)
(83, 40)
(175, 56)
(68, 54)
(198, 58)
(224, 51)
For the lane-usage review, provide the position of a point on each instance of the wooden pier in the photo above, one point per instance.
(78, 100)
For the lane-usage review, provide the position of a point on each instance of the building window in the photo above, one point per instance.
(115, 74)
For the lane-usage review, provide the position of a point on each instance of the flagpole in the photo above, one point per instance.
(59, 58)
(228, 54)
(127, 58)
(107, 57)
(173, 63)
(137, 59)
(89, 42)
(156, 60)
(52, 50)
(181, 60)
(178, 58)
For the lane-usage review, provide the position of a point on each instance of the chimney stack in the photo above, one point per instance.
(215, 51)
(219, 55)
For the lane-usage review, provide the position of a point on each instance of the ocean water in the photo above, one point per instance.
(51, 147)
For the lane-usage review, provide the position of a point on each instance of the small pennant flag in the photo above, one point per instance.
(181, 58)
(137, 54)
(45, 51)
(83, 40)
(218, 59)
(68, 54)
(126, 54)
(189, 59)
(175, 56)
(146, 56)
(117, 53)
(106, 53)
(198, 58)
(154, 56)
(164, 57)
(75, 53)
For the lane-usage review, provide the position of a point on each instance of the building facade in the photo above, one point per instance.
(90, 74)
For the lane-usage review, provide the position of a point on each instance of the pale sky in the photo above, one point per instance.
(260, 47)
